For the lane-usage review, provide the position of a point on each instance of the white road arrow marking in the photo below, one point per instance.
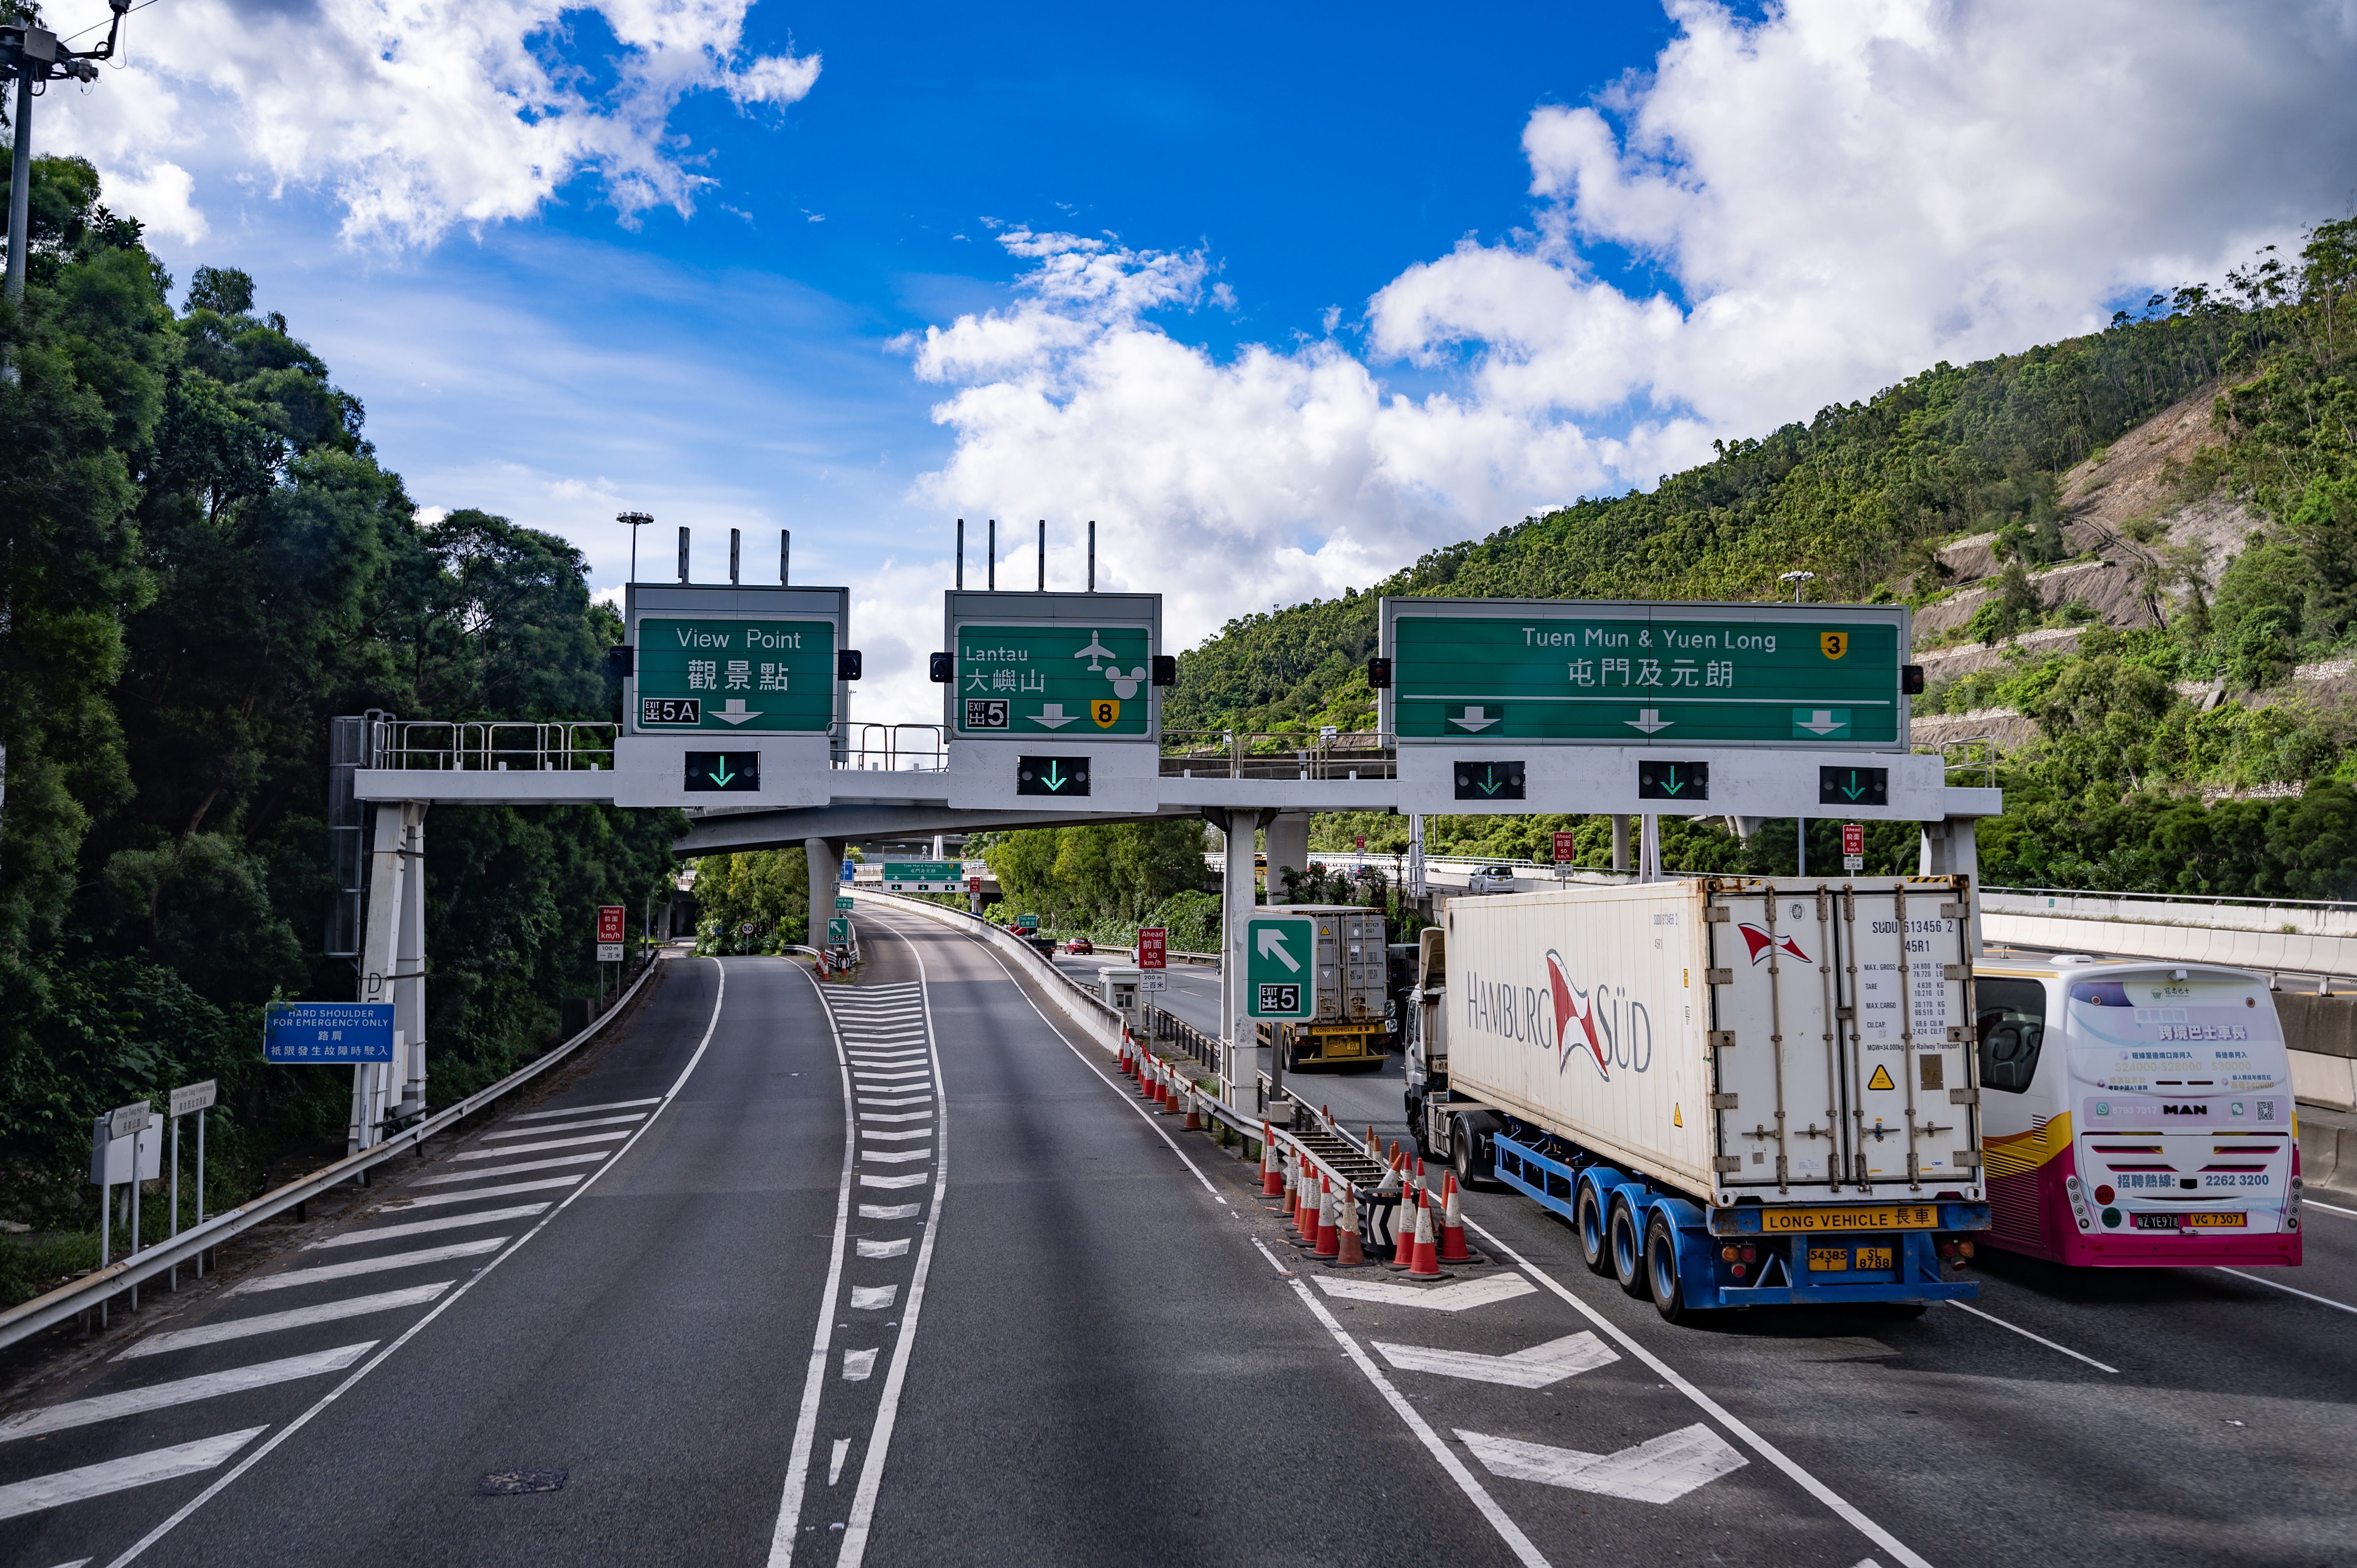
(1532, 1369)
(1476, 719)
(1649, 720)
(1661, 1471)
(1458, 1298)
(1821, 720)
(858, 1365)
(1271, 940)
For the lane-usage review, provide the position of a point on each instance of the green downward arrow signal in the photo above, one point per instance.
(1490, 781)
(1672, 786)
(1854, 790)
(720, 775)
(1054, 777)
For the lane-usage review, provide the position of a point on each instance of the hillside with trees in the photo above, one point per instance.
(201, 561)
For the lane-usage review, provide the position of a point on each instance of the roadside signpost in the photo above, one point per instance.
(1853, 846)
(1566, 846)
(194, 1099)
(1280, 968)
(1153, 958)
(1638, 673)
(125, 1146)
(308, 1032)
(610, 919)
(838, 932)
(923, 875)
(842, 905)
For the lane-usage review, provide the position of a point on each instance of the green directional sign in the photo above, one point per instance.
(735, 673)
(1634, 673)
(1065, 679)
(842, 905)
(838, 932)
(924, 871)
(1280, 967)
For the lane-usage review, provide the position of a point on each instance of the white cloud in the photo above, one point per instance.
(1834, 198)
(161, 195)
(420, 115)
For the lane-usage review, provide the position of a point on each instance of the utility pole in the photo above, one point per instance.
(29, 54)
(634, 520)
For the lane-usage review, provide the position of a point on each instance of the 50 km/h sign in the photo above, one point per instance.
(1280, 967)
(1643, 674)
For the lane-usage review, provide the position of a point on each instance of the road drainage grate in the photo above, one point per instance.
(514, 1483)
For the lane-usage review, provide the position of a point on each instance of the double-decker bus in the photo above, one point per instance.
(2135, 1115)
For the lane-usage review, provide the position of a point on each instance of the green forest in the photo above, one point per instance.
(201, 561)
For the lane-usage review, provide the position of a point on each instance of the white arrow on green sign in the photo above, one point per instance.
(1280, 967)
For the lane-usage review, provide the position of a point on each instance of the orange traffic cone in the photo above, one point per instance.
(1128, 1051)
(1329, 1244)
(1305, 1201)
(1272, 1176)
(1404, 1225)
(1452, 1223)
(1426, 1261)
(1194, 1112)
(1349, 1254)
(1374, 1150)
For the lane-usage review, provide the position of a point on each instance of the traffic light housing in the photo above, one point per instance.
(1166, 669)
(1379, 674)
(942, 668)
(846, 665)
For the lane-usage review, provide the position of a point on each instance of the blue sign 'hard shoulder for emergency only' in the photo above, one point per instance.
(327, 1032)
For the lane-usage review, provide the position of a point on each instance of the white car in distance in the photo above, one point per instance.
(1490, 879)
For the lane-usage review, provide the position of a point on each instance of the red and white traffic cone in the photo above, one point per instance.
(1305, 1192)
(1127, 1049)
(1351, 1255)
(1403, 1228)
(1425, 1264)
(1374, 1150)
(1194, 1111)
(1272, 1175)
(1158, 1091)
(1452, 1223)
(1329, 1244)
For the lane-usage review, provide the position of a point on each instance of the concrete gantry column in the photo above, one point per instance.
(826, 861)
(1239, 1077)
(1620, 843)
(1952, 847)
(1288, 850)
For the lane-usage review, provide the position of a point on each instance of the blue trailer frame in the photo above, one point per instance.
(1719, 1249)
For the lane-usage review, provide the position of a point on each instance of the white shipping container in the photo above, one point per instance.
(1788, 1040)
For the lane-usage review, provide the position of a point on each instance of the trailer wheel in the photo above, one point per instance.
(1595, 1249)
(1662, 1272)
(1627, 1251)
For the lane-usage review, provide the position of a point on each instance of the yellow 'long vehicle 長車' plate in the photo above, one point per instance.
(1894, 1217)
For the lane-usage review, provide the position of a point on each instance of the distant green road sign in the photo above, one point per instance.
(1634, 673)
(838, 932)
(1281, 967)
(1017, 681)
(735, 673)
(842, 905)
(924, 871)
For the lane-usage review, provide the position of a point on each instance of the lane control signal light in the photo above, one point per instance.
(846, 665)
(1166, 669)
(941, 669)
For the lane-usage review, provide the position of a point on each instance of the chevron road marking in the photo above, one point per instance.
(1458, 1298)
(583, 1109)
(1661, 1471)
(410, 1260)
(565, 1126)
(181, 1390)
(117, 1475)
(502, 1152)
(271, 1322)
(1532, 1369)
(588, 1159)
(427, 1227)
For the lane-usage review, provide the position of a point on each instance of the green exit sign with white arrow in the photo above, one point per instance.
(1280, 967)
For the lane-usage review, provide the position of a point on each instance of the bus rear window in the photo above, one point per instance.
(2011, 1022)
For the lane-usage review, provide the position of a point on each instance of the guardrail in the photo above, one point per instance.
(1235, 754)
(27, 1318)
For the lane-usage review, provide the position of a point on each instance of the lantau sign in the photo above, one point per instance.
(1635, 674)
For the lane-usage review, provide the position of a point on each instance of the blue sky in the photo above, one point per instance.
(1283, 295)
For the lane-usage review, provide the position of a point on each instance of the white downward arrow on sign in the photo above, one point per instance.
(1661, 1471)
(1476, 719)
(1532, 1369)
(1464, 1294)
(1649, 720)
(1271, 940)
(1821, 720)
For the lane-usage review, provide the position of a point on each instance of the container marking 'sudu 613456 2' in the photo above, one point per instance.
(1742, 1091)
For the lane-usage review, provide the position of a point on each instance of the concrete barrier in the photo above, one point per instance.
(1100, 1022)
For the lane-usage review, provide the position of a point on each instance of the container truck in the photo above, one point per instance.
(1741, 1091)
(1352, 1022)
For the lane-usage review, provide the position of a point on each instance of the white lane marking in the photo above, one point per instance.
(565, 1126)
(896, 1156)
(588, 1159)
(888, 1412)
(842, 1447)
(890, 1211)
(546, 1184)
(872, 1298)
(1849, 1511)
(869, 1134)
(2328, 1207)
(868, 1248)
(1458, 1297)
(874, 1075)
(1532, 1369)
(271, 1322)
(502, 1152)
(895, 1116)
(1467, 1482)
(140, 1546)
(584, 1110)
(884, 1059)
(117, 1475)
(427, 1226)
(2319, 1300)
(912, 1179)
(2026, 1334)
(925, 1099)
(290, 1278)
(180, 1390)
(1161, 1131)
(1660, 1471)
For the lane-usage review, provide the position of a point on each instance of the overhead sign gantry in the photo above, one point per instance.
(1053, 698)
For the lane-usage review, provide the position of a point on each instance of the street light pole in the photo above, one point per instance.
(636, 521)
(1796, 579)
(32, 54)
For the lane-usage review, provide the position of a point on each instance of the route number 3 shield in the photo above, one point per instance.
(1834, 643)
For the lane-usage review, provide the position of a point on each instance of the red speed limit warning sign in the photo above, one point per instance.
(1152, 948)
(1566, 848)
(609, 922)
(1853, 838)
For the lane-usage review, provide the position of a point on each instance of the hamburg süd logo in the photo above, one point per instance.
(1762, 941)
(1573, 1006)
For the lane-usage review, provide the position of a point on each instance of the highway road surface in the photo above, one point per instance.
(894, 1272)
